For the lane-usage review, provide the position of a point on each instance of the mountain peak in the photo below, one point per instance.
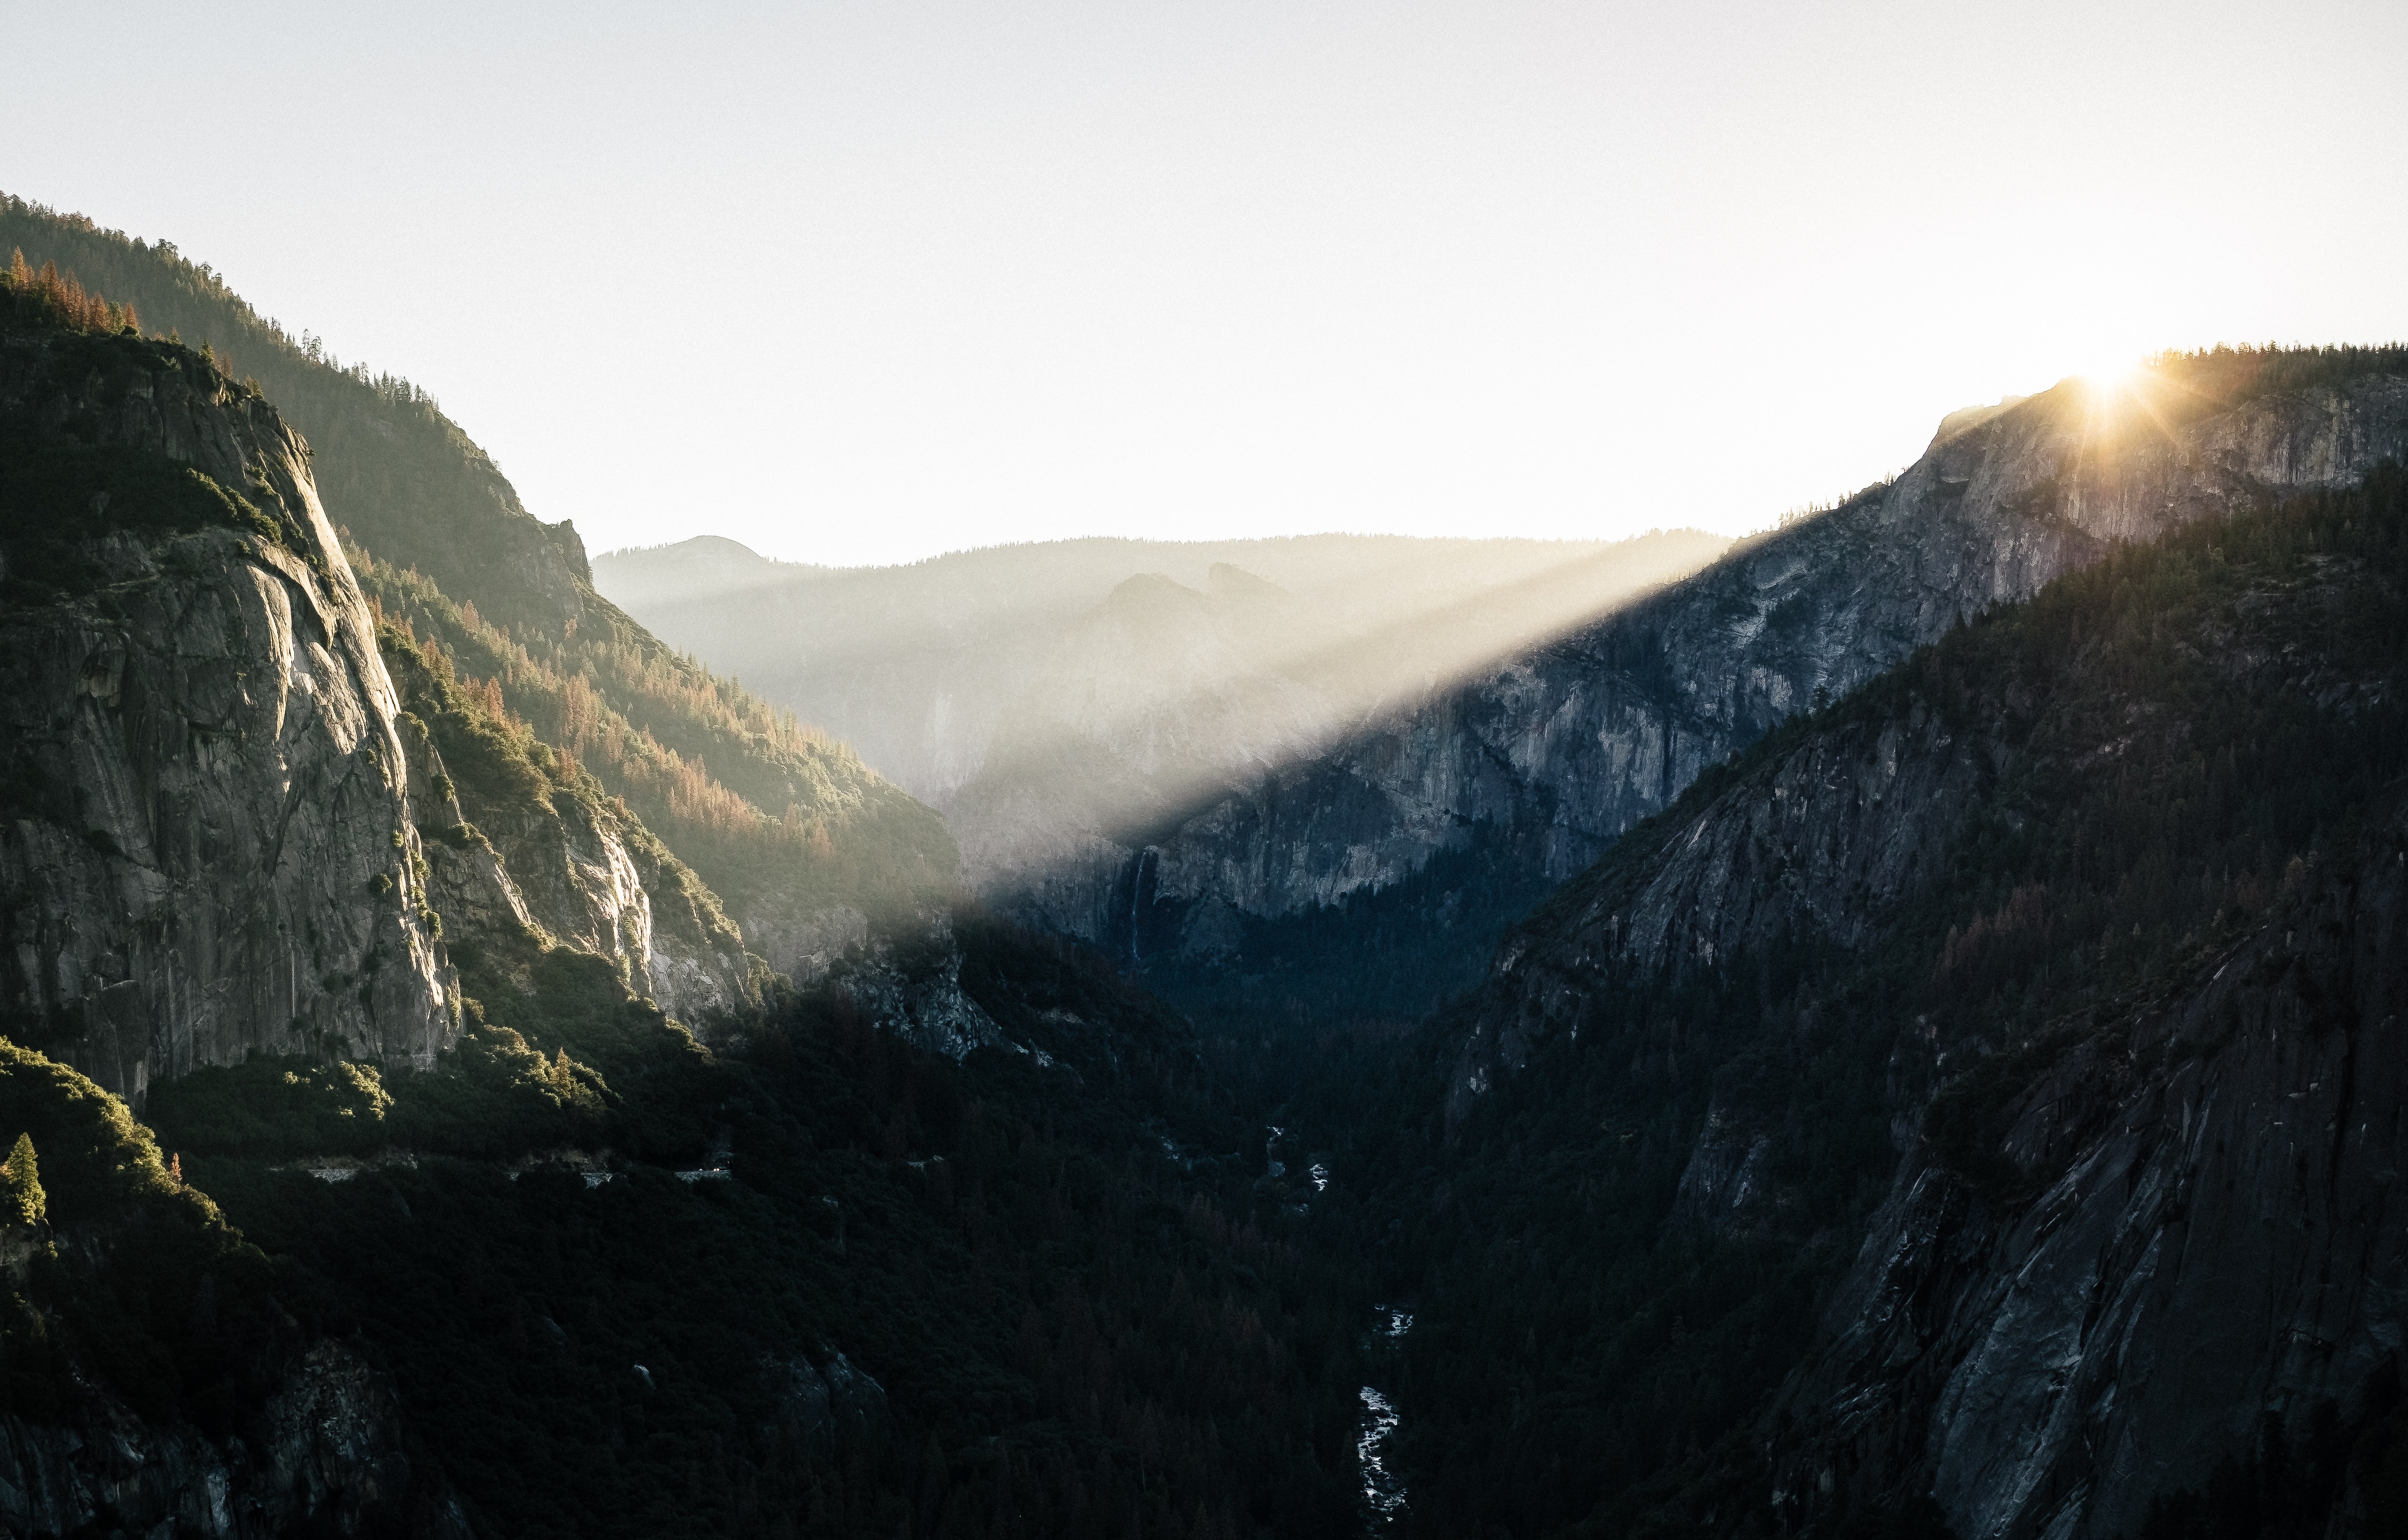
(692, 569)
(1965, 420)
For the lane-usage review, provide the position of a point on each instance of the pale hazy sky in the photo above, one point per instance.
(866, 281)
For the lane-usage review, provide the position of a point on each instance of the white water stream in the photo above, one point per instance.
(1383, 1490)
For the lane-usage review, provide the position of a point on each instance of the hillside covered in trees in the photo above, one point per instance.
(1924, 958)
(568, 1268)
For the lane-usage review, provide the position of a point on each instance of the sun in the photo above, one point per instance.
(2112, 371)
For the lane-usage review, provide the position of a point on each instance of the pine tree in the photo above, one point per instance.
(20, 1186)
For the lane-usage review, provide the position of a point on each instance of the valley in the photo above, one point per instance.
(1888, 1027)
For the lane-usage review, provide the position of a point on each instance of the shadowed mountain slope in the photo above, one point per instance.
(1180, 789)
(1520, 777)
(1977, 1103)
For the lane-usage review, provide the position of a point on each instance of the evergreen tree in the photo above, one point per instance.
(20, 1186)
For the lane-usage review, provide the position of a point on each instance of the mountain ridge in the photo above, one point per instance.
(1929, 1066)
(701, 759)
(1534, 769)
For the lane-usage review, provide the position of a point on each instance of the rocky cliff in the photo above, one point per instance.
(227, 836)
(805, 845)
(541, 859)
(1569, 744)
(209, 849)
(2219, 1251)
(2083, 932)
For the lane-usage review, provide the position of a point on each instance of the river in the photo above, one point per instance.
(1383, 1490)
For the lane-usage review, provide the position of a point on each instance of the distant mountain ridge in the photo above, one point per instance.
(919, 666)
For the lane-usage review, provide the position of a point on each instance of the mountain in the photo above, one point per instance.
(1067, 704)
(1975, 1107)
(1330, 888)
(210, 849)
(470, 1071)
(922, 666)
(537, 1203)
(1265, 844)
(746, 794)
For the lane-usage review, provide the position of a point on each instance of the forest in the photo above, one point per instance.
(1590, 1357)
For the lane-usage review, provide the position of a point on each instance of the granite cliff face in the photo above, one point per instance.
(225, 836)
(802, 845)
(209, 849)
(1569, 744)
(2223, 1244)
(571, 871)
(1825, 841)
(2141, 1216)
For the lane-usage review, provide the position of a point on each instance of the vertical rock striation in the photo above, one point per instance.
(573, 872)
(2226, 1246)
(207, 849)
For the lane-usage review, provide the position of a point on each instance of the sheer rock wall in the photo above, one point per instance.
(208, 851)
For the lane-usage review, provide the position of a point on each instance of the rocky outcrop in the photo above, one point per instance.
(586, 880)
(573, 873)
(1573, 742)
(207, 849)
(914, 990)
(797, 937)
(325, 1457)
(826, 1408)
(2225, 1241)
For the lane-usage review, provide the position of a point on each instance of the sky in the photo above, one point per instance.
(862, 282)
